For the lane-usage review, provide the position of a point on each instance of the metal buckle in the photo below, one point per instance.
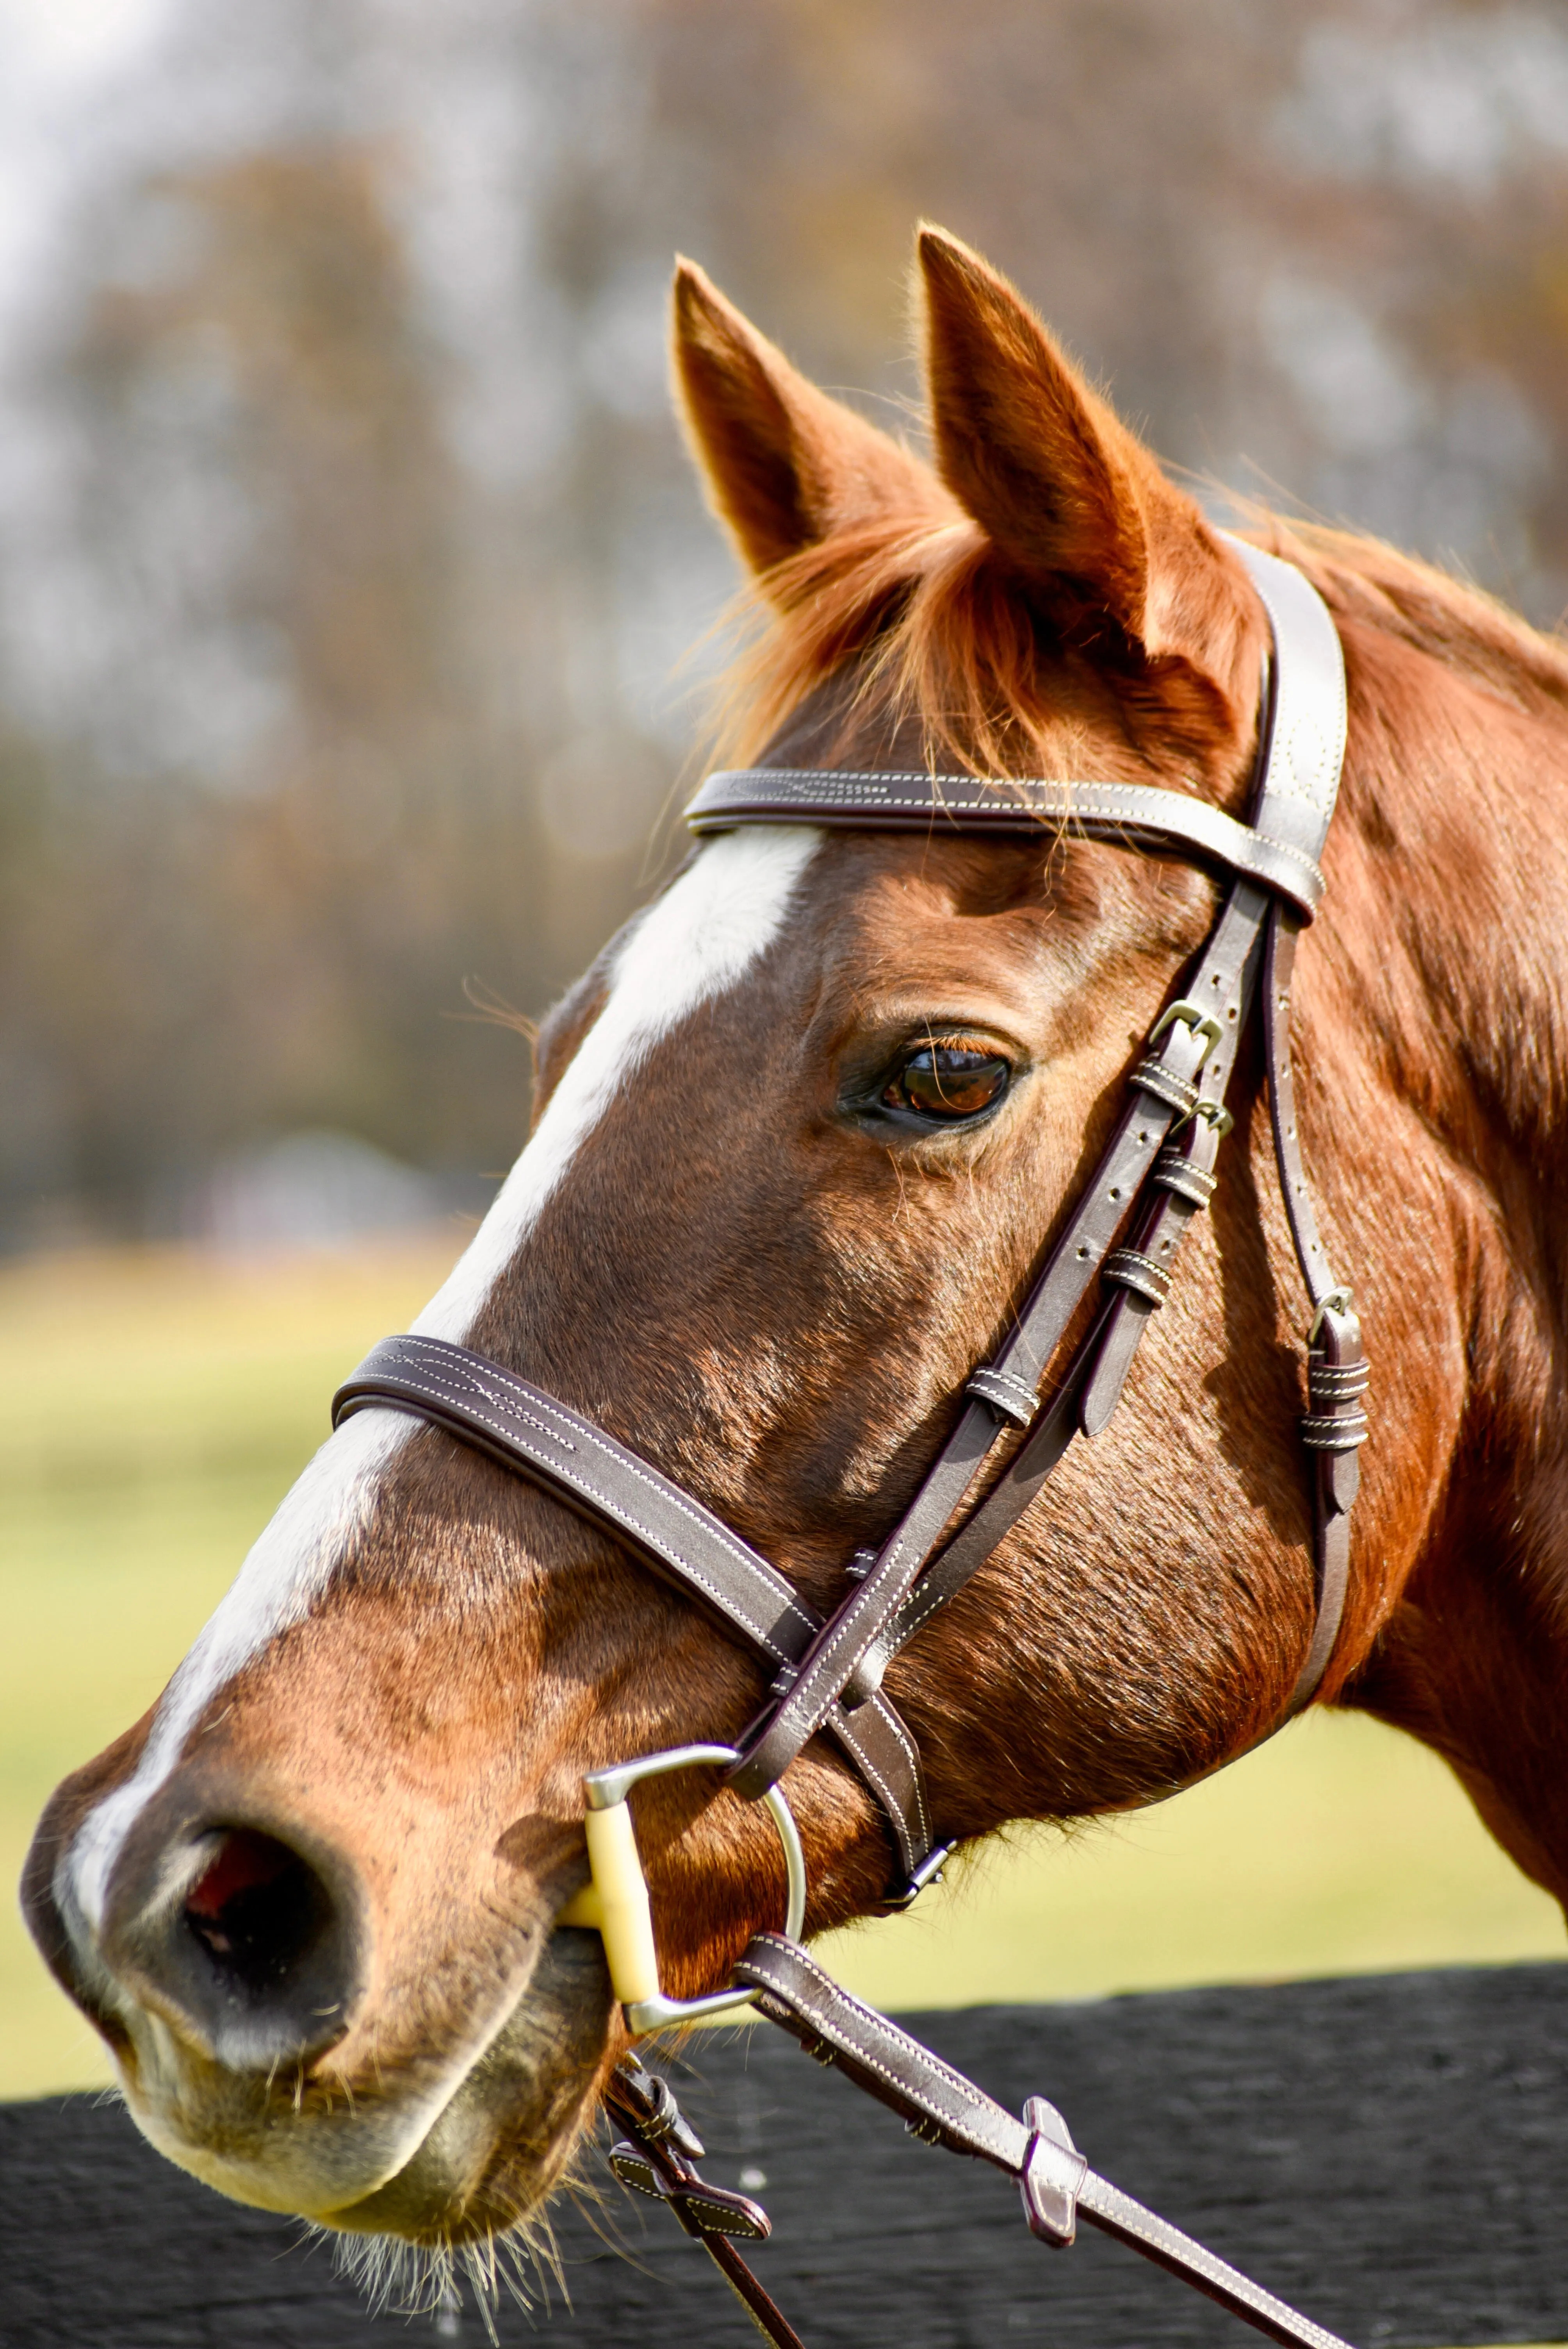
(1202, 1023)
(1336, 1300)
(615, 1903)
(928, 1872)
(1214, 1114)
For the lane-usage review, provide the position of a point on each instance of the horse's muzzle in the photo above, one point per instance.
(279, 2035)
(244, 1930)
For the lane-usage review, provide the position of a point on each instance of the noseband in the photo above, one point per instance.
(1157, 1172)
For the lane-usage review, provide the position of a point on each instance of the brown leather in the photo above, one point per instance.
(1163, 1077)
(1302, 736)
(1070, 1270)
(529, 1432)
(1336, 1369)
(946, 2109)
(1181, 1184)
(1157, 1170)
(660, 2162)
(1132, 814)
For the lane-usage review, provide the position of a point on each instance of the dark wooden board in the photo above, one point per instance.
(1389, 2153)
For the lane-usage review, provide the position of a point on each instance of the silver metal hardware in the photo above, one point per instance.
(928, 1872)
(1214, 1114)
(616, 1903)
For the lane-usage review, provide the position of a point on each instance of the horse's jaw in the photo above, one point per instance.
(439, 2155)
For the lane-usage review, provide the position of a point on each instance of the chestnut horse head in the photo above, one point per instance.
(802, 1133)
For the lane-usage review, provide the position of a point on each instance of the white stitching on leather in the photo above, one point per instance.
(1079, 802)
(788, 1604)
(922, 1612)
(758, 1568)
(968, 2097)
(794, 1709)
(839, 1710)
(454, 1376)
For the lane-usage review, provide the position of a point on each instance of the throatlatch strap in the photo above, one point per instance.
(1337, 1368)
(940, 2105)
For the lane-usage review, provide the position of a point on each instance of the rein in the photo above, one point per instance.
(1157, 1172)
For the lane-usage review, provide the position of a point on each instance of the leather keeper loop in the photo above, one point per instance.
(1322, 1434)
(1007, 1396)
(1174, 1173)
(1153, 1077)
(1130, 1269)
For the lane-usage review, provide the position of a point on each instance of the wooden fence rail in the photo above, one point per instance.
(1389, 2153)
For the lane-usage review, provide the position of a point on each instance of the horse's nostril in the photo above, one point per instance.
(247, 1936)
(257, 1910)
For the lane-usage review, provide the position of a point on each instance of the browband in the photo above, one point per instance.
(1131, 812)
(1302, 751)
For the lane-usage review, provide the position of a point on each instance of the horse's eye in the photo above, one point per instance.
(949, 1081)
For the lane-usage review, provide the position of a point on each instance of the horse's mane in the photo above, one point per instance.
(941, 633)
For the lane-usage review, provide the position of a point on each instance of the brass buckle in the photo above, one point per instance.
(1336, 1300)
(615, 1902)
(1202, 1022)
(1214, 1114)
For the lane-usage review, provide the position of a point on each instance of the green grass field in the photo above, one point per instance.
(153, 1407)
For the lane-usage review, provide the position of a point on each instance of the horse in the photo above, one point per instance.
(802, 1134)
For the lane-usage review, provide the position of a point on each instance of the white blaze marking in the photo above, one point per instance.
(693, 943)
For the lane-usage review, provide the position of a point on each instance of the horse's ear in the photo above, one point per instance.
(1069, 496)
(784, 464)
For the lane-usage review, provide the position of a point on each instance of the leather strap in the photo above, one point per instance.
(829, 1674)
(497, 1411)
(1337, 1368)
(528, 1432)
(659, 2161)
(1163, 1079)
(1132, 814)
(940, 2105)
(1180, 1181)
(1301, 753)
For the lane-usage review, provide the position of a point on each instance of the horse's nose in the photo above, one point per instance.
(245, 1935)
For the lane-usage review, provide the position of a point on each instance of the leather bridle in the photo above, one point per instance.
(1157, 1170)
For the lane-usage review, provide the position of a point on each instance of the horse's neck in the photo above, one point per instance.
(1451, 1009)
(1454, 928)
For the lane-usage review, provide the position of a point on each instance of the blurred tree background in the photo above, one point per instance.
(347, 549)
